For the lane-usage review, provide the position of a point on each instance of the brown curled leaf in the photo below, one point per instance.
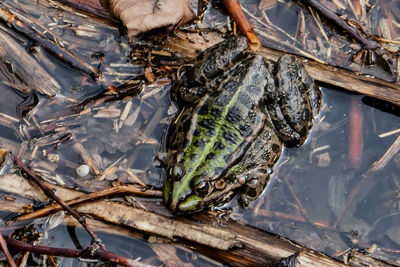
(143, 15)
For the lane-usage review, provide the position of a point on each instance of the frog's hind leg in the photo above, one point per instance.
(213, 61)
(208, 70)
(293, 102)
(257, 164)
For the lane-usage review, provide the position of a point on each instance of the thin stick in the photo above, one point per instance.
(52, 195)
(235, 10)
(47, 44)
(3, 246)
(333, 17)
(87, 253)
(121, 189)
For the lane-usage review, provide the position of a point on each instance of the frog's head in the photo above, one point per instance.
(190, 192)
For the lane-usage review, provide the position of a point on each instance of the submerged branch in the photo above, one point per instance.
(120, 189)
(50, 45)
(88, 253)
(53, 196)
(4, 248)
(334, 18)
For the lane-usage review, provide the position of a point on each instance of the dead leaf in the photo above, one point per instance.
(148, 73)
(142, 15)
(324, 159)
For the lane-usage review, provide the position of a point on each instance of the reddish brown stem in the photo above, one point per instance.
(51, 195)
(87, 253)
(3, 246)
(356, 135)
(236, 12)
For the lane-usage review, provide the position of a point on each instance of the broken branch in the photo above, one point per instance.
(46, 43)
(87, 253)
(334, 18)
(235, 10)
(52, 195)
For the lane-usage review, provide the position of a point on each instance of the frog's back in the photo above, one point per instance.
(224, 122)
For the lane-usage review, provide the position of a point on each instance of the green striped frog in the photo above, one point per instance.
(237, 111)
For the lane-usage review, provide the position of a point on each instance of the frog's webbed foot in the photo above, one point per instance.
(293, 102)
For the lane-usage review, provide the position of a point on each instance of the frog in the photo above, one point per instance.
(237, 112)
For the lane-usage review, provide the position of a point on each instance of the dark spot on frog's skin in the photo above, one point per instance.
(234, 115)
(196, 132)
(275, 148)
(210, 69)
(210, 156)
(222, 100)
(216, 113)
(193, 157)
(245, 100)
(199, 143)
(207, 123)
(227, 158)
(210, 132)
(231, 86)
(203, 110)
(245, 130)
(230, 137)
(253, 89)
(218, 146)
(256, 76)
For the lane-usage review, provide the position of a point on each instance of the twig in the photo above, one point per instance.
(318, 22)
(26, 68)
(92, 8)
(261, 32)
(49, 45)
(52, 195)
(334, 18)
(243, 23)
(120, 189)
(79, 148)
(110, 94)
(3, 246)
(87, 253)
(356, 135)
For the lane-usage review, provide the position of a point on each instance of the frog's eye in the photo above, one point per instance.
(201, 185)
(177, 171)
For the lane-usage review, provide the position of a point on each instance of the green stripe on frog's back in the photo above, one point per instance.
(220, 129)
